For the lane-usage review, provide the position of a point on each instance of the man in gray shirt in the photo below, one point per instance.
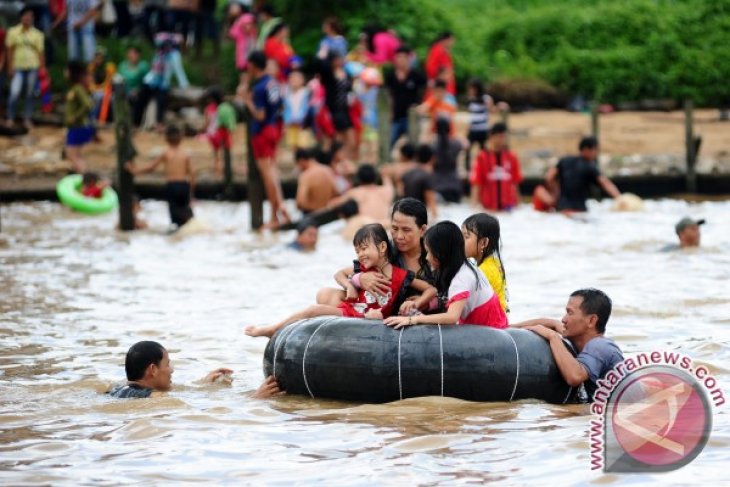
(584, 325)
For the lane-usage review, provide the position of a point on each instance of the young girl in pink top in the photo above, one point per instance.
(469, 297)
(243, 33)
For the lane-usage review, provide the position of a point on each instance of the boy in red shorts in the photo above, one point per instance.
(264, 104)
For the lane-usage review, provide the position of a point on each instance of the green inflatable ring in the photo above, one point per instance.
(68, 192)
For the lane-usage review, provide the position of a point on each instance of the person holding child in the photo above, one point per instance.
(373, 256)
(469, 297)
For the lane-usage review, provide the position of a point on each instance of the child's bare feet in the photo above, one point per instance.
(259, 331)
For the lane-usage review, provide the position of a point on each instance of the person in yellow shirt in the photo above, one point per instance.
(25, 58)
(482, 243)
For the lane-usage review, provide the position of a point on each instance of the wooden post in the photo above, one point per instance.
(255, 187)
(228, 190)
(383, 105)
(594, 119)
(125, 153)
(690, 146)
(414, 125)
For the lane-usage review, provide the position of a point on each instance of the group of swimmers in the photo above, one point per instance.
(444, 274)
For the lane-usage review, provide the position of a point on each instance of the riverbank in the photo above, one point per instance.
(642, 151)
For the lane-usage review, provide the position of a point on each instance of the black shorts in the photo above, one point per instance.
(478, 138)
(178, 199)
(341, 120)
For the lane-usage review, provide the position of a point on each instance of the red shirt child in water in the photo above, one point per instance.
(92, 186)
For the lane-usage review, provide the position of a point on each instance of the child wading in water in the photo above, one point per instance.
(373, 254)
(482, 243)
(179, 174)
(469, 297)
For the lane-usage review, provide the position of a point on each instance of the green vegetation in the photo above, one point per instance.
(610, 50)
(537, 52)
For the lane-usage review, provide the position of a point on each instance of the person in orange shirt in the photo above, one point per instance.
(440, 104)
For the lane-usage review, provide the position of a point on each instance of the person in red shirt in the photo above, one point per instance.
(496, 175)
(278, 49)
(91, 186)
(439, 60)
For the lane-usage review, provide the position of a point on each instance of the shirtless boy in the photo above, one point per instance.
(316, 185)
(373, 200)
(179, 174)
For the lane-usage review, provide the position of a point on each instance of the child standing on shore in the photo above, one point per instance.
(373, 253)
(77, 116)
(296, 110)
(482, 243)
(469, 297)
(179, 174)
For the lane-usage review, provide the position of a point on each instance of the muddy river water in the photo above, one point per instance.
(75, 294)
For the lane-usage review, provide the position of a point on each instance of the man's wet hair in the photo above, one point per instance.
(302, 154)
(440, 84)
(588, 143)
(306, 223)
(595, 302)
(404, 50)
(366, 174)
(140, 356)
(407, 151)
(424, 153)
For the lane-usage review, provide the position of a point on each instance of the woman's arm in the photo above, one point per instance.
(451, 317)
(428, 292)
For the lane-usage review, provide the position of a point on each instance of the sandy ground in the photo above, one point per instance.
(632, 143)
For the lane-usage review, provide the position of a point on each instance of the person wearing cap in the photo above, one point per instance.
(567, 184)
(688, 233)
(24, 58)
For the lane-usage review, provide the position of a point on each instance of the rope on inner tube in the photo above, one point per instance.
(517, 368)
(400, 380)
(282, 339)
(304, 357)
(441, 347)
(570, 390)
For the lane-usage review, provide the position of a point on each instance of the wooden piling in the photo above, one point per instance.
(255, 186)
(594, 119)
(414, 125)
(125, 153)
(228, 190)
(691, 146)
(383, 104)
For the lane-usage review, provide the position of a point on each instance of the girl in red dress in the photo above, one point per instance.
(373, 254)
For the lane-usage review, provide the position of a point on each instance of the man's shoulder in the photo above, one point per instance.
(127, 391)
(601, 345)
